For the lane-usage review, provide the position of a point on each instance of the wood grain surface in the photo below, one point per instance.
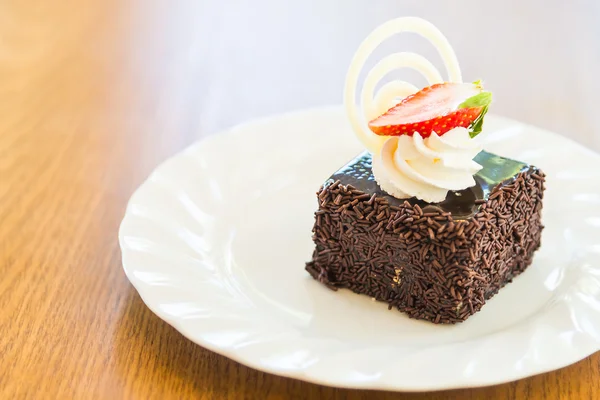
(94, 94)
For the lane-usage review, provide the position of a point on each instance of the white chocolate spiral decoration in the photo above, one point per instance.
(409, 166)
(376, 104)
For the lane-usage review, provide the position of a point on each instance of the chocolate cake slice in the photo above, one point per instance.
(438, 262)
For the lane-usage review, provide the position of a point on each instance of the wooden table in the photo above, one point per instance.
(96, 93)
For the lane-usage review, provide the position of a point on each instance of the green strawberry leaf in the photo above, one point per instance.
(483, 99)
(477, 125)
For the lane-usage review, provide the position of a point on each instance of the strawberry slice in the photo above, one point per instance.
(437, 108)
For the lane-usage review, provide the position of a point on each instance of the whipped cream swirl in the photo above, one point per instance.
(405, 166)
(427, 168)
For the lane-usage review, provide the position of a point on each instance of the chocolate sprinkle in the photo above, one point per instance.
(419, 259)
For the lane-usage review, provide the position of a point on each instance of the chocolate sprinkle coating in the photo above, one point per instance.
(425, 262)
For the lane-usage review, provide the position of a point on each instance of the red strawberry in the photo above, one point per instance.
(437, 108)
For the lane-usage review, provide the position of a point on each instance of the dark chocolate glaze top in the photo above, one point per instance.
(462, 204)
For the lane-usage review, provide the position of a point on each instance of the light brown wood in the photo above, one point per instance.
(95, 93)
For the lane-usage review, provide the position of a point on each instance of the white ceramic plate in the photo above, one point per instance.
(216, 239)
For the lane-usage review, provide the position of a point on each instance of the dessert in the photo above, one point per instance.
(424, 220)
